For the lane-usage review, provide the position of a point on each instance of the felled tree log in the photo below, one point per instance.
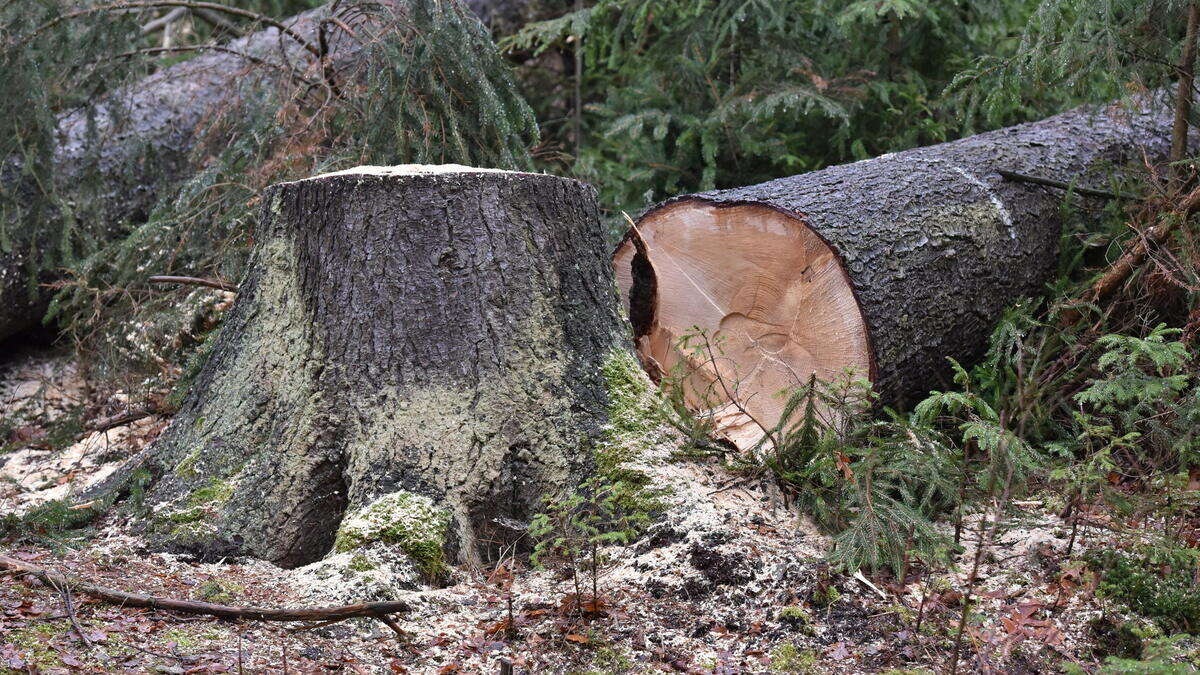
(144, 133)
(415, 352)
(142, 137)
(886, 266)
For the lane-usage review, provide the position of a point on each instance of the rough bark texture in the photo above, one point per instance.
(144, 132)
(414, 353)
(934, 242)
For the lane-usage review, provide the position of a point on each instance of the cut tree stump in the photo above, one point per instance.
(886, 266)
(415, 352)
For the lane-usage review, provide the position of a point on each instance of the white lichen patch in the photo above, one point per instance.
(372, 572)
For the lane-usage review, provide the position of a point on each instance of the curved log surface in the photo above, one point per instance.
(931, 244)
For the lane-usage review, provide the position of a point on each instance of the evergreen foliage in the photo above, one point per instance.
(1158, 584)
(1097, 50)
(688, 95)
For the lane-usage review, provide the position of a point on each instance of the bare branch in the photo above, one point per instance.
(374, 610)
(194, 281)
(164, 21)
(189, 4)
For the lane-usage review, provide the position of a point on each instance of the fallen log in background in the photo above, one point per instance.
(144, 133)
(415, 350)
(887, 266)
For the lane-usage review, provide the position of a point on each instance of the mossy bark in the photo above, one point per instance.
(934, 242)
(437, 331)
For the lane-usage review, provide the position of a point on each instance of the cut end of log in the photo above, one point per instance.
(772, 297)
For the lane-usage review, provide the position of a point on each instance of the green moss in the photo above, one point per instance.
(788, 658)
(409, 520)
(825, 595)
(191, 370)
(634, 407)
(610, 659)
(216, 492)
(203, 504)
(219, 591)
(191, 638)
(34, 643)
(795, 615)
(635, 419)
(186, 468)
(904, 614)
(360, 563)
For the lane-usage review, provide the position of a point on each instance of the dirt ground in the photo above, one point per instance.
(730, 579)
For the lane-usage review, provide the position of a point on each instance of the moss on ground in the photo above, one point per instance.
(220, 592)
(34, 643)
(788, 658)
(825, 595)
(406, 519)
(795, 615)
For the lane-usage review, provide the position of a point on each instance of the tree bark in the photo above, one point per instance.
(1183, 97)
(889, 265)
(425, 339)
(145, 133)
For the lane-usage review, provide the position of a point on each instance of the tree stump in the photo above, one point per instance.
(416, 352)
(886, 266)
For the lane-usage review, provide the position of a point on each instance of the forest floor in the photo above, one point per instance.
(730, 579)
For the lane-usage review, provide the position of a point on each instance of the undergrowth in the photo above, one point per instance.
(1105, 410)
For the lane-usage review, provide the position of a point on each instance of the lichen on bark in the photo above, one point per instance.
(438, 334)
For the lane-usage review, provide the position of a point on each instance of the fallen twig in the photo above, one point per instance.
(1050, 182)
(65, 591)
(373, 610)
(194, 281)
(120, 420)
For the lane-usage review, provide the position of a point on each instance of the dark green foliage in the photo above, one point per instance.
(1096, 50)
(875, 485)
(1173, 655)
(689, 95)
(1159, 583)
